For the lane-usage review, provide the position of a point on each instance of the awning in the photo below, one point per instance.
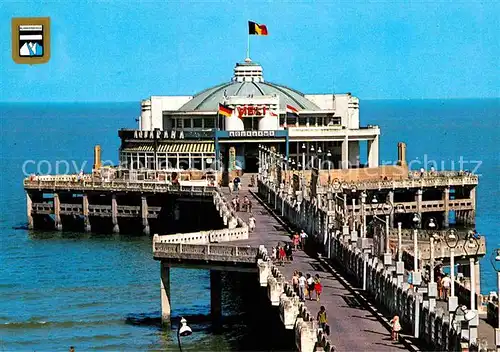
(139, 147)
(187, 148)
(171, 148)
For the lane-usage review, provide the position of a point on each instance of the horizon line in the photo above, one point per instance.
(138, 101)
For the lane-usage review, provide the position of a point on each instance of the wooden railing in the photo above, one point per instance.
(87, 184)
(426, 181)
(205, 237)
(94, 210)
(206, 252)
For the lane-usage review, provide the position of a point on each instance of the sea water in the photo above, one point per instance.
(99, 292)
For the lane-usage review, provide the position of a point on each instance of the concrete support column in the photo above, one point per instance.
(29, 210)
(418, 199)
(114, 214)
(165, 293)
(85, 208)
(373, 152)
(473, 212)
(354, 153)
(446, 201)
(345, 153)
(57, 212)
(144, 215)
(215, 296)
(477, 272)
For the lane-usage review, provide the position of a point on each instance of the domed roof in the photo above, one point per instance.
(247, 81)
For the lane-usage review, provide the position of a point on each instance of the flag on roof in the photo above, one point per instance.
(256, 29)
(290, 110)
(225, 110)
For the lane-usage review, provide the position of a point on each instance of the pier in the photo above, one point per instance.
(376, 233)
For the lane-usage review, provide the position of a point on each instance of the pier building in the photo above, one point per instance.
(325, 124)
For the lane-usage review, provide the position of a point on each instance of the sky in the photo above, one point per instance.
(129, 50)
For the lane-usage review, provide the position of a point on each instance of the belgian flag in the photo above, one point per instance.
(256, 29)
(225, 110)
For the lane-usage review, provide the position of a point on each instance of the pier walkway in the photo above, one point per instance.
(353, 328)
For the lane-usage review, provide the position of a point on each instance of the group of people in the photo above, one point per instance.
(283, 253)
(306, 286)
(245, 205)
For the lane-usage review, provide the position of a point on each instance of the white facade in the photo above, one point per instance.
(152, 110)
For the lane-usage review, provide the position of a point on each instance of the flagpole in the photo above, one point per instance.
(248, 45)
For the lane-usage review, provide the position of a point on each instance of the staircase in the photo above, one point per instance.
(245, 180)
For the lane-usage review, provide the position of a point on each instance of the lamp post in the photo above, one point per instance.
(451, 240)
(417, 278)
(184, 330)
(312, 156)
(416, 274)
(329, 156)
(465, 314)
(319, 158)
(303, 156)
(432, 285)
(471, 248)
(495, 262)
(386, 209)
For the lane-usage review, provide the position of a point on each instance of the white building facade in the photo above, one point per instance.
(327, 127)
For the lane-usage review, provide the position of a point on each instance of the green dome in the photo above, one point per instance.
(247, 82)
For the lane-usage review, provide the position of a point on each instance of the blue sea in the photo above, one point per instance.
(99, 292)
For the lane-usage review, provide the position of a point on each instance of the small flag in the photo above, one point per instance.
(292, 111)
(256, 29)
(225, 110)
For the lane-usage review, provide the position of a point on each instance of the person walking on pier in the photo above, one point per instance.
(317, 287)
(282, 255)
(296, 240)
(245, 203)
(323, 320)
(446, 281)
(295, 281)
(251, 223)
(396, 328)
(236, 183)
(310, 286)
(303, 237)
(302, 286)
(289, 252)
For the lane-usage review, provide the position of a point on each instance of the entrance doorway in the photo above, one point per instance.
(251, 157)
